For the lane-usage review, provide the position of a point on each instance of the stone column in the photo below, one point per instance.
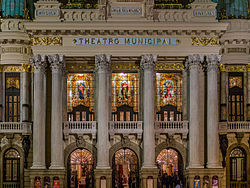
(102, 63)
(184, 93)
(194, 111)
(223, 94)
(148, 65)
(1, 95)
(57, 144)
(25, 92)
(248, 92)
(212, 112)
(39, 112)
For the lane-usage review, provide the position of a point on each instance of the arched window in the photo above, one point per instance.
(238, 165)
(236, 97)
(11, 167)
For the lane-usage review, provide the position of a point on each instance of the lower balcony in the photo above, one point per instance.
(172, 127)
(125, 127)
(24, 128)
(232, 127)
(79, 128)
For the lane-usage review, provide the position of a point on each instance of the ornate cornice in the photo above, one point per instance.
(205, 41)
(39, 62)
(102, 62)
(148, 61)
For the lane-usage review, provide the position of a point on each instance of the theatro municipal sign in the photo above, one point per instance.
(133, 41)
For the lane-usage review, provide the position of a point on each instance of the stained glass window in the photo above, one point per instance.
(236, 97)
(238, 165)
(169, 96)
(167, 160)
(12, 97)
(125, 96)
(80, 97)
(81, 168)
(11, 169)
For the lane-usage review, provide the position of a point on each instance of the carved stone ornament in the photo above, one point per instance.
(56, 62)
(213, 61)
(223, 148)
(102, 62)
(148, 61)
(39, 62)
(26, 148)
(195, 61)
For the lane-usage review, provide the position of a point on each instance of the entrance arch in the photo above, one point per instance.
(170, 164)
(80, 169)
(125, 168)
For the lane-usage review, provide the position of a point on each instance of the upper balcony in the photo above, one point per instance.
(234, 127)
(24, 128)
(172, 127)
(79, 127)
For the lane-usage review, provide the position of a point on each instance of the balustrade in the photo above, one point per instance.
(16, 127)
(237, 126)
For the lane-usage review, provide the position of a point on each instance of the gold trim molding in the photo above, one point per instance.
(73, 67)
(27, 68)
(234, 68)
(46, 41)
(10, 68)
(205, 41)
(121, 66)
(169, 66)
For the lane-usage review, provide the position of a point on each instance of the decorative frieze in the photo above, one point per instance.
(73, 67)
(234, 68)
(169, 66)
(27, 68)
(237, 50)
(205, 41)
(10, 69)
(117, 66)
(46, 41)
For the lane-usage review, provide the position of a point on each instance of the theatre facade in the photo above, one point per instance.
(125, 94)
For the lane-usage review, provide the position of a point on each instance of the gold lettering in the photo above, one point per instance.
(86, 40)
(117, 41)
(92, 40)
(133, 40)
(81, 39)
(149, 41)
(98, 41)
(165, 41)
(158, 41)
(105, 40)
(110, 41)
(127, 41)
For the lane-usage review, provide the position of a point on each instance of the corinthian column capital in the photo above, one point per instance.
(148, 61)
(213, 61)
(56, 62)
(39, 62)
(195, 61)
(102, 62)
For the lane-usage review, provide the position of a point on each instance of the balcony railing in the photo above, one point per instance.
(238, 184)
(11, 185)
(237, 126)
(172, 127)
(16, 127)
(80, 127)
(125, 127)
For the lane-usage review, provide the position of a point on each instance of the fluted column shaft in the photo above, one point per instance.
(148, 65)
(194, 111)
(57, 144)
(212, 112)
(102, 63)
(39, 112)
(25, 92)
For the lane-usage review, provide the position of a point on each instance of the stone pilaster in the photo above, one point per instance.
(212, 112)
(223, 95)
(102, 63)
(1, 95)
(184, 92)
(39, 112)
(57, 144)
(248, 93)
(25, 92)
(194, 65)
(148, 64)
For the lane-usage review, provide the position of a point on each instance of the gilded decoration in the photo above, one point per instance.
(80, 66)
(169, 90)
(232, 68)
(124, 66)
(46, 41)
(172, 4)
(235, 81)
(125, 90)
(11, 69)
(80, 90)
(169, 66)
(205, 41)
(12, 82)
(27, 68)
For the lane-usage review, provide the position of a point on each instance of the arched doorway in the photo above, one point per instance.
(125, 169)
(170, 164)
(11, 168)
(238, 168)
(81, 169)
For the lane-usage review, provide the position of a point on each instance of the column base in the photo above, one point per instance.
(214, 165)
(103, 177)
(38, 167)
(149, 176)
(194, 166)
(190, 174)
(57, 167)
